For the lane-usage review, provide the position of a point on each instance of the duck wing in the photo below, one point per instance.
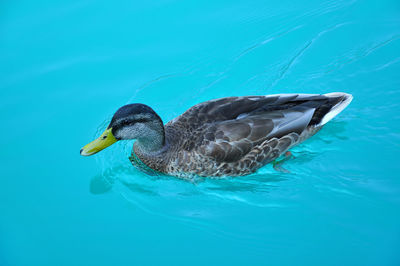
(229, 128)
(231, 140)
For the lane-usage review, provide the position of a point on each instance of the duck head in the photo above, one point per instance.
(132, 121)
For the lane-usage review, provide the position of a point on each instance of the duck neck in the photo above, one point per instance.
(152, 141)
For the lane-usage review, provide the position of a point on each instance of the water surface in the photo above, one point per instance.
(66, 66)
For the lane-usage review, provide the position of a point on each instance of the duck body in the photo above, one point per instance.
(235, 136)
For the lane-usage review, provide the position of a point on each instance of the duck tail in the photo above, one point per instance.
(340, 101)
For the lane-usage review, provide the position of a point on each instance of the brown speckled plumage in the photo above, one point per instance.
(237, 135)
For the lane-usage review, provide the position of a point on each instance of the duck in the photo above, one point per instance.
(231, 136)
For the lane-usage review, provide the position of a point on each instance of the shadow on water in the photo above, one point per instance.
(198, 204)
(334, 130)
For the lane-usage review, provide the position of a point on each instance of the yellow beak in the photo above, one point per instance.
(106, 139)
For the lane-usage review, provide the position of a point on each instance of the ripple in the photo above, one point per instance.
(359, 54)
(291, 61)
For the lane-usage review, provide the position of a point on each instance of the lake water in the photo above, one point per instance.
(66, 66)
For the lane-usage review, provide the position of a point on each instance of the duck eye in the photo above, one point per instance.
(104, 137)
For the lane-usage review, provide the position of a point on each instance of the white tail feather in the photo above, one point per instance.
(347, 98)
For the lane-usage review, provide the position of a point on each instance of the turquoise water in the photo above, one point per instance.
(66, 66)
